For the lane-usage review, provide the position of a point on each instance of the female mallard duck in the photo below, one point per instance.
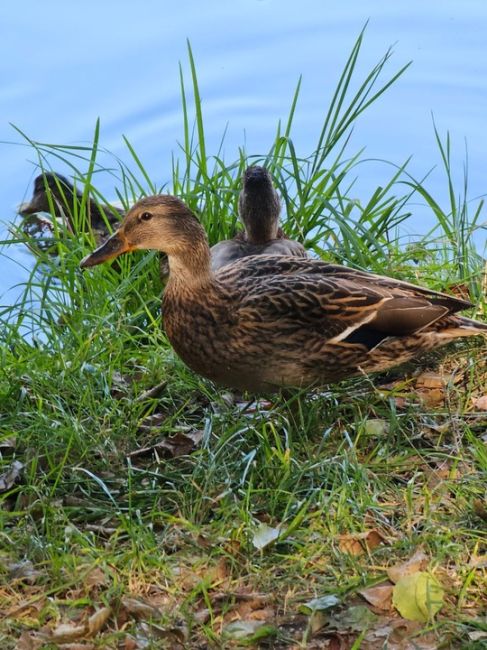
(63, 194)
(259, 207)
(267, 322)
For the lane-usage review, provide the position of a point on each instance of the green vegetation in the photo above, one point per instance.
(145, 508)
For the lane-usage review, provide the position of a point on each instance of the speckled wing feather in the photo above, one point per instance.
(333, 300)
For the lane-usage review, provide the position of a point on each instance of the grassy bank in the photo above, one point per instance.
(144, 508)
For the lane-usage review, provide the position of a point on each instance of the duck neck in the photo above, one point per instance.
(259, 211)
(260, 229)
(191, 267)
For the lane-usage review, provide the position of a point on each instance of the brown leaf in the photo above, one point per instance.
(379, 596)
(153, 392)
(27, 641)
(177, 636)
(480, 403)
(436, 475)
(98, 620)
(416, 563)
(96, 578)
(480, 508)
(139, 608)
(180, 444)
(433, 380)
(432, 396)
(66, 632)
(130, 643)
(120, 385)
(359, 543)
(10, 476)
(478, 561)
(151, 423)
(202, 616)
(219, 572)
(431, 387)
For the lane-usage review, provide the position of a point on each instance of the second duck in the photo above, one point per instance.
(259, 208)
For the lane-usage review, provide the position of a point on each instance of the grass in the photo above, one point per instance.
(155, 519)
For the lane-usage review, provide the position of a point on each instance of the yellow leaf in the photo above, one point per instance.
(418, 597)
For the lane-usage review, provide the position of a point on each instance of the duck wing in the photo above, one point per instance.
(342, 304)
(267, 266)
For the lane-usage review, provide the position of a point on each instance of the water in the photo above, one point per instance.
(62, 68)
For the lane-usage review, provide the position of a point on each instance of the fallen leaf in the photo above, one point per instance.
(417, 562)
(379, 596)
(129, 643)
(320, 604)
(10, 476)
(27, 641)
(140, 609)
(215, 574)
(432, 380)
(98, 620)
(432, 396)
(65, 633)
(153, 392)
(176, 636)
(251, 630)
(431, 387)
(356, 618)
(359, 543)
(478, 561)
(418, 596)
(152, 422)
(376, 427)
(181, 444)
(480, 403)
(264, 535)
(437, 475)
(202, 616)
(480, 508)
(96, 578)
(120, 385)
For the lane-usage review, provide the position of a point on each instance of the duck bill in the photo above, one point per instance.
(113, 247)
(26, 209)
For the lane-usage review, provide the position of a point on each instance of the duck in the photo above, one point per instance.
(259, 208)
(63, 195)
(271, 322)
(62, 192)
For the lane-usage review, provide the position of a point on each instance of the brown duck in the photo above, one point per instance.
(267, 322)
(63, 195)
(259, 208)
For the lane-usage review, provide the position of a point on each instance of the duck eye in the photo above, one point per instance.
(145, 216)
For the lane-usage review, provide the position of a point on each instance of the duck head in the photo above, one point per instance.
(259, 206)
(60, 188)
(163, 223)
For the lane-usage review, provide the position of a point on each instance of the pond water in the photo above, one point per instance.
(63, 68)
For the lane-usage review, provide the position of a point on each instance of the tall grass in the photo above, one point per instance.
(73, 395)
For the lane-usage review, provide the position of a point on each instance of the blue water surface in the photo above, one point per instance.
(65, 64)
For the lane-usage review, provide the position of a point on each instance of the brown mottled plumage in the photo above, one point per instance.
(259, 207)
(266, 322)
